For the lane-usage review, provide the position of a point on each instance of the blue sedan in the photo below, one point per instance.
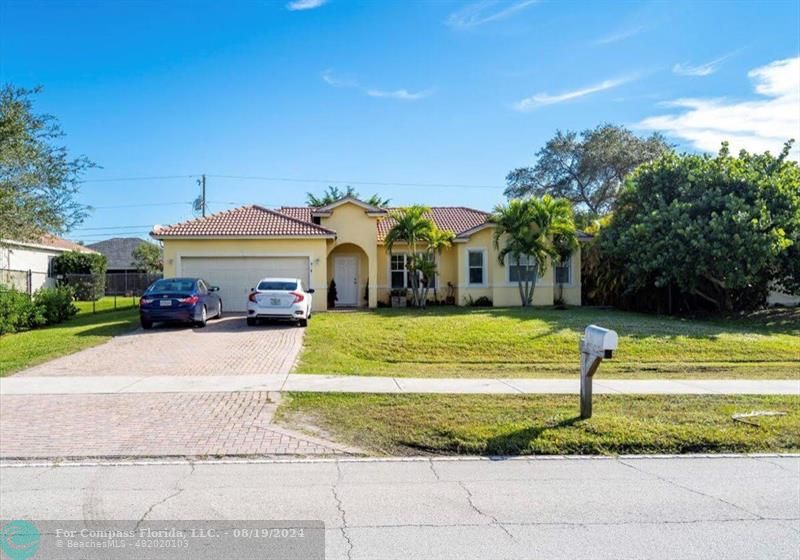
(185, 300)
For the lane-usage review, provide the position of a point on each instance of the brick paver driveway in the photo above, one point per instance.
(225, 347)
(152, 425)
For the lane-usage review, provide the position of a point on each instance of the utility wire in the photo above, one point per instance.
(298, 180)
(113, 227)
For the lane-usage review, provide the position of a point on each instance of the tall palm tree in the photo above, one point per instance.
(531, 232)
(438, 240)
(412, 226)
(333, 193)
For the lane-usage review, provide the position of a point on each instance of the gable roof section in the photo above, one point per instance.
(368, 208)
(457, 219)
(245, 221)
(118, 251)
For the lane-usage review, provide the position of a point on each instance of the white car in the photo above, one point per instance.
(279, 298)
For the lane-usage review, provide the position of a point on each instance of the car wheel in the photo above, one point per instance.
(146, 325)
(251, 322)
(203, 317)
(219, 310)
(302, 323)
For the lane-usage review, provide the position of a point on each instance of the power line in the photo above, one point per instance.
(364, 183)
(113, 227)
(299, 180)
(140, 205)
(148, 178)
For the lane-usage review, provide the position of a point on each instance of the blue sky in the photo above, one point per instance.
(340, 92)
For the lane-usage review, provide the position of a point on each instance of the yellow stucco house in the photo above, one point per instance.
(344, 242)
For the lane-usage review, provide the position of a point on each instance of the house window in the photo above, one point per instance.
(562, 271)
(399, 272)
(516, 272)
(475, 267)
(50, 273)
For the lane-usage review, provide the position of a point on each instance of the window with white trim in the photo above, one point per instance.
(398, 272)
(476, 267)
(516, 272)
(563, 274)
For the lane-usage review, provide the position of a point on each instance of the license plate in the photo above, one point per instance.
(165, 302)
(274, 301)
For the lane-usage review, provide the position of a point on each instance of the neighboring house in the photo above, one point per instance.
(27, 265)
(344, 242)
(118, 252)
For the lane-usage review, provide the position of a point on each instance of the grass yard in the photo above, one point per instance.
(25, 349)
(545, 424)
(107, 304)
(543, 342)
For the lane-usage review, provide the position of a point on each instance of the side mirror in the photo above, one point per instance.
(310, 291)
(213, 289)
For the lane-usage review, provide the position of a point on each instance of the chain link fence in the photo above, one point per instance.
(111, 288)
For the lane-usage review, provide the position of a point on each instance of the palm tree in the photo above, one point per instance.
(438, 240)
(412, 226)
(531, 232)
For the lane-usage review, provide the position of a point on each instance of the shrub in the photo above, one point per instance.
(85, 272)
(482, 301)
(55, 304)
(18, 312)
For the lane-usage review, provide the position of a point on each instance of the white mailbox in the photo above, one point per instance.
(598, 340)
(597, 344)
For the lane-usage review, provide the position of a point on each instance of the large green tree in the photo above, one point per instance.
(38, 177)
(587, 168)
(529, 233)
(333, 193)
(721, 229)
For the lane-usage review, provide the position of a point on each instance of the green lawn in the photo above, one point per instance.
(544, 424)
(25, 349)
(543, 342)
(107, 303)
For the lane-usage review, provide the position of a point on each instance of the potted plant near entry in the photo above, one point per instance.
(333, 297)
(399, 298)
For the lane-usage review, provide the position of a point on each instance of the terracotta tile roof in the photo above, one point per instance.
(246, 221)
(457, 219)
(454, 218)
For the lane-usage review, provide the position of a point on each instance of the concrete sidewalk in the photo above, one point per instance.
(361, 384)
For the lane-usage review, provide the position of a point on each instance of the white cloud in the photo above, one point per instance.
(705, 69)
(540, 99)
(402, 94)
(757, 125)
(619, 36)
(304, 4)
(485, 11)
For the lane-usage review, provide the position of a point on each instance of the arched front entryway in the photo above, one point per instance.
(348, 267)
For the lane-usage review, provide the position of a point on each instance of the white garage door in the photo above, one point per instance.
(235, 276)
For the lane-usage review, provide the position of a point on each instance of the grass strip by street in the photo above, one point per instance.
(545, 424)
(107, 303)
(29, 348)
(543, 342)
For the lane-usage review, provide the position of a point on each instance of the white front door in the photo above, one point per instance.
(345, 273)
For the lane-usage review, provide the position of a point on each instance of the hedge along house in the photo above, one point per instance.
(344, 242)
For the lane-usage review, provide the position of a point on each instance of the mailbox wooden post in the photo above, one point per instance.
(597, 344)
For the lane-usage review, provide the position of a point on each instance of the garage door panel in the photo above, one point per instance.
(235, 276)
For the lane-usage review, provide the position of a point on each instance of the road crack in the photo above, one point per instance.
(342, 513)
(494, 520)
(178, 491)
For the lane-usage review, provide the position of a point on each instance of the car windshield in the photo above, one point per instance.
(165, 286)
(276, 285)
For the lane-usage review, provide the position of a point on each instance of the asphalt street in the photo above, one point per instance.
(594, 508)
